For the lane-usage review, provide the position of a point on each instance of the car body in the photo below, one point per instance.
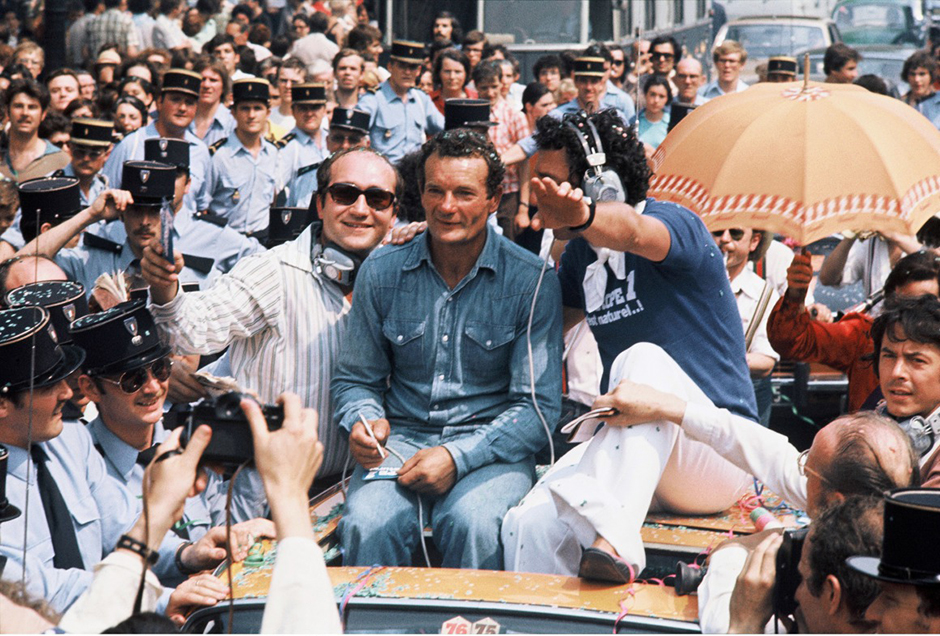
(768, 36)
(889, 22)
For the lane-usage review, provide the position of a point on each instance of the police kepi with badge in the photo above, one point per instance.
(90, 145)
(304, 147)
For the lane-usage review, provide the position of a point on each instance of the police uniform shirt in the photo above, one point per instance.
(619, 99)
(241, 186)
(99, 183)
(96, 255)
(399, 126)
(101, 509)
(131, 148)
(223, 123)
(299, 152)
(209, 250)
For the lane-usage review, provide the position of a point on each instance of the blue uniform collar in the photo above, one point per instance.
(116, 451)
(391, 95)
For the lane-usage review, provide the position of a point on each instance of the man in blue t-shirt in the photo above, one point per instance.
(652, 285)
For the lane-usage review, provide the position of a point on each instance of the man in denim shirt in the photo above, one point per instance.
(436, 360)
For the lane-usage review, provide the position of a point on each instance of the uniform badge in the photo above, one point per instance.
(131, 325)
(52, 334)
(144, 176)
(236, 195)
(285, 216)
(69, 311)
(388, 133)
(163, 145)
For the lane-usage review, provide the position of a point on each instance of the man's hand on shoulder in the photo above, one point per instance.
(405, 233)
(430, 470)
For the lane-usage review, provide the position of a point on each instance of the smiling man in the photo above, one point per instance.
(283, 313)
(26, 155)
(436, 361)
(176, 109)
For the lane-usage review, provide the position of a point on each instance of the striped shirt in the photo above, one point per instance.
(283, 323)
(513, 127)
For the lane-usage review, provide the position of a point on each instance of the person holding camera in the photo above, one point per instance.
(829, 597)
(283, 313)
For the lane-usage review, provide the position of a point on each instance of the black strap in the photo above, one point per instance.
(144, 457)
(306, 169)
(93, 240)
(211, 217)
(198, 263)
(64, 541)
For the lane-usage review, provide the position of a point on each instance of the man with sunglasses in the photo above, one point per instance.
(90, 147)
(444, 352)
(128, 379)
(283, 313)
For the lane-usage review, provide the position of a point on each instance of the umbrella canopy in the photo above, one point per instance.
(803, 160)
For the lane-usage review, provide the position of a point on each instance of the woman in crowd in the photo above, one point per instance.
(654, 119)
(451, 74)
(81, 108)
(129, 115)
(140, 88)
(618, 67)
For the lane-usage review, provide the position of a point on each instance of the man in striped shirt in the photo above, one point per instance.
(283, 313)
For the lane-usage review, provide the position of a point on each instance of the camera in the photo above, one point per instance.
(788, 575)
(231, 443)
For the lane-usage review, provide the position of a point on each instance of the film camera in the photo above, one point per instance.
(788, 576)
(231, 443)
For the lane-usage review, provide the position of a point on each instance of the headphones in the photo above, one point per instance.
(922, 431)
(333, 262)
(599, 182)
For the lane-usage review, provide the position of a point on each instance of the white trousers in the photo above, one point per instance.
(606, 486)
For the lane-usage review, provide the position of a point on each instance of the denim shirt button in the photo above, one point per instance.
(441, 377)
(400, 337)
(489, 343)
(445, 338)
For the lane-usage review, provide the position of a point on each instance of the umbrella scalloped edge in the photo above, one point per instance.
(692, 194)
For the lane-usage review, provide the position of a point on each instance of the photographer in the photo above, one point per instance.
(830, 598)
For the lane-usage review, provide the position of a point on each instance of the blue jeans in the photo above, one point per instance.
(380, 524)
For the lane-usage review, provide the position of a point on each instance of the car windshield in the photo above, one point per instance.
(766, 40)
(874, 15)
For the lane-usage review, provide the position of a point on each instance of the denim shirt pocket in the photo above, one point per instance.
(485, 349)
(407, 339)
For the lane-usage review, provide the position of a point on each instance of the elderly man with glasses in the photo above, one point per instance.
(283, 313)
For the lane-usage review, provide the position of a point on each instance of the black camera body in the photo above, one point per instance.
(231, 443)
(788, 575)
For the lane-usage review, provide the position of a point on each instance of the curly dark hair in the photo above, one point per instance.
(852, 527)
(912, 268)
(465, 143)
(624, 152)
(31, 88)
(918, 317)
(919, 59)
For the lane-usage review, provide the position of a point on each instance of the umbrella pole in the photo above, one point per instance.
(805, 71)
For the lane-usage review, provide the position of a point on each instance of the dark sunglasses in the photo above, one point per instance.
(736, 233)
(347, 194)
(132, 381)
(80, 151)
(667, 56)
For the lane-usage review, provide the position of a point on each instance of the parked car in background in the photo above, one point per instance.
(766, 36)
(890, 22)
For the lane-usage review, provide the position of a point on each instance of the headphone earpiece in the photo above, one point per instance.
(334, 262)
(599, 182)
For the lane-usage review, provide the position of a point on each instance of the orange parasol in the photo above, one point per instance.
(803, 160)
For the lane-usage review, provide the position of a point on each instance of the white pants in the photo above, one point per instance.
(606, 486)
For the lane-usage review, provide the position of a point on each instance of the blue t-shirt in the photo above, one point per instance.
(684, 304)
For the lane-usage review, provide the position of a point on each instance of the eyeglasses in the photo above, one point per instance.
(728, 60)
(803, 468)
(341, 138)
(132, 381)
(617, 63)
(736, 233)
(81, 151)
(687, 76)
(348, 194)
(665, 56)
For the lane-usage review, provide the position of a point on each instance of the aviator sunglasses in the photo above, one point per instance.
(736, 234)
(131, 381)
(347, 194)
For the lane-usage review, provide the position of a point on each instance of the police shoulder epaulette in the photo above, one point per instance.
(216, 145)
(101, 243)
(306, 169)
(211, 217)
(283, 141)
(199, 263)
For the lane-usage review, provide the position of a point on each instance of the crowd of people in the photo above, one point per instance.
(431, 268)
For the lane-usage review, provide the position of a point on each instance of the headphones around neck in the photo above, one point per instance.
(333, 262)
(922, 431)
(599, 182)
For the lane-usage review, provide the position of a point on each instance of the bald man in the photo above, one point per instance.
(17, 272)
(689, 79)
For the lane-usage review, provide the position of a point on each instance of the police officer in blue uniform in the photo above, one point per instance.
(46, 203)
(176, 109)
(349, 128)
(303, 149)
(90, 145)
(402, 116)
(243, 166)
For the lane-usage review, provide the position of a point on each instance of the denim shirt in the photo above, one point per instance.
(432, 358)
